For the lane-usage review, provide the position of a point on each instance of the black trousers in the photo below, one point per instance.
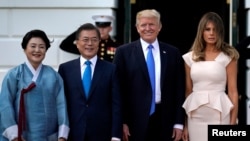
(154, 131)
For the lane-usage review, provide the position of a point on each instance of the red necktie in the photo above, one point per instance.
(21, 116)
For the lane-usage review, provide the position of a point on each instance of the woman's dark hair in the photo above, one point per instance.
(35, 33)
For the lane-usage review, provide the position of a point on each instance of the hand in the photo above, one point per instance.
(185, 136)
(177, 134)
(126, 133)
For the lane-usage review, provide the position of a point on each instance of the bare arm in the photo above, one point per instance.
(232, 89)
(189, 83)
(189, 87)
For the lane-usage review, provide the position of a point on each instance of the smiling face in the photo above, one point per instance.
(148, 28)
(88, 43)
(35, 51)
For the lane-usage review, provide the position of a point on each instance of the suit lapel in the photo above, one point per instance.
(164, 58)
(98, 72)
(140, 59)
(76, 69)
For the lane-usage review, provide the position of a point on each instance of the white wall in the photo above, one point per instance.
(58, 18)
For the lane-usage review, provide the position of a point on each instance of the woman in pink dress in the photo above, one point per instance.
(211, 80)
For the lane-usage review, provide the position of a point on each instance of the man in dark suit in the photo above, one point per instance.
(94, 115)
(147, 117)
(107, 45)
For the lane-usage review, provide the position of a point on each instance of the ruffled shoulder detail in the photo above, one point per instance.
(215, 100)
(223, 59)
(188, 58)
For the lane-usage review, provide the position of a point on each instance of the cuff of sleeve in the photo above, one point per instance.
(11, 132)
(63, 131)
(115, 139)
(179, 126)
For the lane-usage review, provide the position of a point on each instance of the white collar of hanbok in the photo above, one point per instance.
(34, 72)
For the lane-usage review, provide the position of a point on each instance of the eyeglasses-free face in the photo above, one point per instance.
(35, 51)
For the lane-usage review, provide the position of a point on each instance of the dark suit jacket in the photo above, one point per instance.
(97, 118)
(136, 88)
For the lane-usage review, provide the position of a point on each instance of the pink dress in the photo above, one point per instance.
(208, 103)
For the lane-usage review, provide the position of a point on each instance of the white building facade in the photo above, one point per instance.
(58, 18)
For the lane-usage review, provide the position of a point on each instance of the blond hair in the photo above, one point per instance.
(148, 13)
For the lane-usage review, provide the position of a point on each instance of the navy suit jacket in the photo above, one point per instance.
(97, 118)
(136, 88)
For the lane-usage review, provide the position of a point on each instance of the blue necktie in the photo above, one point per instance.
(87, 78)
(151, 71)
